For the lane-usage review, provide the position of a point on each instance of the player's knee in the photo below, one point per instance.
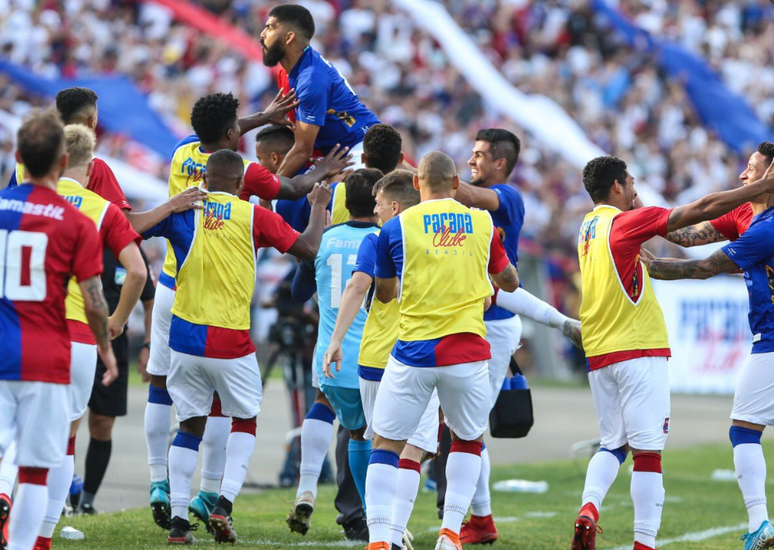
(158, 381)
(455, 437)
(410, 452)
(358, 435)
(382, 443)
(101, 427)
(322, 400)
(620, 453)
(194, 426)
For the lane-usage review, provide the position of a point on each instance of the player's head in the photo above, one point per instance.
(360, 192)
(272, 143)
(78, 106)
(494, 157)
(79, 144)
(215, 121)
(436, 174)
(225, 172)
(395, 193)
(40, 145)
(288, 26)
(608, 181)
(382, 148)
(758, 163)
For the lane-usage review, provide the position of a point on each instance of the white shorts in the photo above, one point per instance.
(425, 436)
(192, 381)
(754, 395)
(37, 416)
(83, 365)
(504, 337)
(632, 403)
(159, 362)
(463, 391)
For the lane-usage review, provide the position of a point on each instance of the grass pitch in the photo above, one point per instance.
(699, 513)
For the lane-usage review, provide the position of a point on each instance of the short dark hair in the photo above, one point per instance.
(600, 174)
(277, 138)
(71, 102)
(222, 168)
(40, 142)
(212, 116)
(295, 16)
(382, 146)
(766, 148)
(503, 144)
(360, 198)
(398, 186)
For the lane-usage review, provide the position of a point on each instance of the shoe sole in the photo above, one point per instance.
(161, 515)
(490, 541)
(222, 530)
(300, 519)
(180, 541)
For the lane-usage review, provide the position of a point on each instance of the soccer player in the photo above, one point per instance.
(214, 119)
(330, 112)
(753, 408)
(494, 157)
(394, 193)
(443, 254)
(625, 339)
(45, 241)
(329, 275)
(211, 348)
(118, 236)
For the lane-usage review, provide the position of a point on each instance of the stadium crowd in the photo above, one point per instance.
(557, 49)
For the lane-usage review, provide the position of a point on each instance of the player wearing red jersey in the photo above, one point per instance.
(44, 242)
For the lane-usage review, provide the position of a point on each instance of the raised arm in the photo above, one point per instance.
(275, 113)
(308, 243)
(302, 149)
(96, 310)
(296, 187)
(351, 301)
(671, 269)
(477, 197)
(186, 200)
(696, 235)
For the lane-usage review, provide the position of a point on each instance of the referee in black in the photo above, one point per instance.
(109, 402)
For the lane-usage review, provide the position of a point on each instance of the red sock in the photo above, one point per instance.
(640, 546)
(591, 511)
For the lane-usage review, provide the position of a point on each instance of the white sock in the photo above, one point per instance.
(157, 425)
(600, 475)
(648, 496)
(315, 439)
(751, 474)
(59, 481)
(523, 303)
(238, 452)
(27, 516)
(182, 464)
(481, 505)
(214, 452)
(8, 470)
(462, 472)
(381, 486)
(406, 494)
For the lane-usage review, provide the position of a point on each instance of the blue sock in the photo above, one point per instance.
(359, 455)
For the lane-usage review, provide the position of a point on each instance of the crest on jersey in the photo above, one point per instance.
(343, 116)
(665, 429)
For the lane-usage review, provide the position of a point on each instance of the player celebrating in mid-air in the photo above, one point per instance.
(443, 253)
(44, 241)
(753, 410)
(329, 110)
(625, 339)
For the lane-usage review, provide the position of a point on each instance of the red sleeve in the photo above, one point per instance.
(117, 233)
(87, 261)
(269, 229)
(283, 83)
(104, 183)
(259, 182)
(498, 259)
(734, 223)
(640, 225)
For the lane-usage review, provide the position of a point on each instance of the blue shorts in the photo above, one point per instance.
(347, 406)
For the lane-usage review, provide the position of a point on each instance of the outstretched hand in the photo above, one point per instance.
(335, 162)
(281, 105)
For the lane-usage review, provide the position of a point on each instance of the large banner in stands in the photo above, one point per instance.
(708, 332)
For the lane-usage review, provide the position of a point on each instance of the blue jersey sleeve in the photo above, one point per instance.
(366, 255)
(389, 250)
(179, 230)
(304, 284)
(755, 245)
(511, 204)
(312, 92)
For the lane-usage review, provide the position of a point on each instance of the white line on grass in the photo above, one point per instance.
(694, 537)
(337, 544)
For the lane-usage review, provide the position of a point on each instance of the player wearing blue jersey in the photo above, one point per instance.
(753, 408)
(329, 111)
(493, 160)
(329, 274)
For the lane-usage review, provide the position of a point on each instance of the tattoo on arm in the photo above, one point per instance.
(97, 302)
(510, 274)
(695, 235)
(717, 263)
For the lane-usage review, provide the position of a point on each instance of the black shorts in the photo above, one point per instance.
(112, 400)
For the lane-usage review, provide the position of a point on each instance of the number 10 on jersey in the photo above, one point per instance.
(23, 265)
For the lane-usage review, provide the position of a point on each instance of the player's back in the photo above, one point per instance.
(444, 272)
(333, 270)
(43, 239)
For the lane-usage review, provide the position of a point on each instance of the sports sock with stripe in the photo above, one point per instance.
(403, 505)
(750, 466)
(600, 475)
(214, 449)
(647, 491)
(381, 486)
(359, 453)
(28, 508)
(183, 456)
(59, 481)
(481, 505)
(462, 470)
(239, 449)
(316, 434)
(157, 412)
